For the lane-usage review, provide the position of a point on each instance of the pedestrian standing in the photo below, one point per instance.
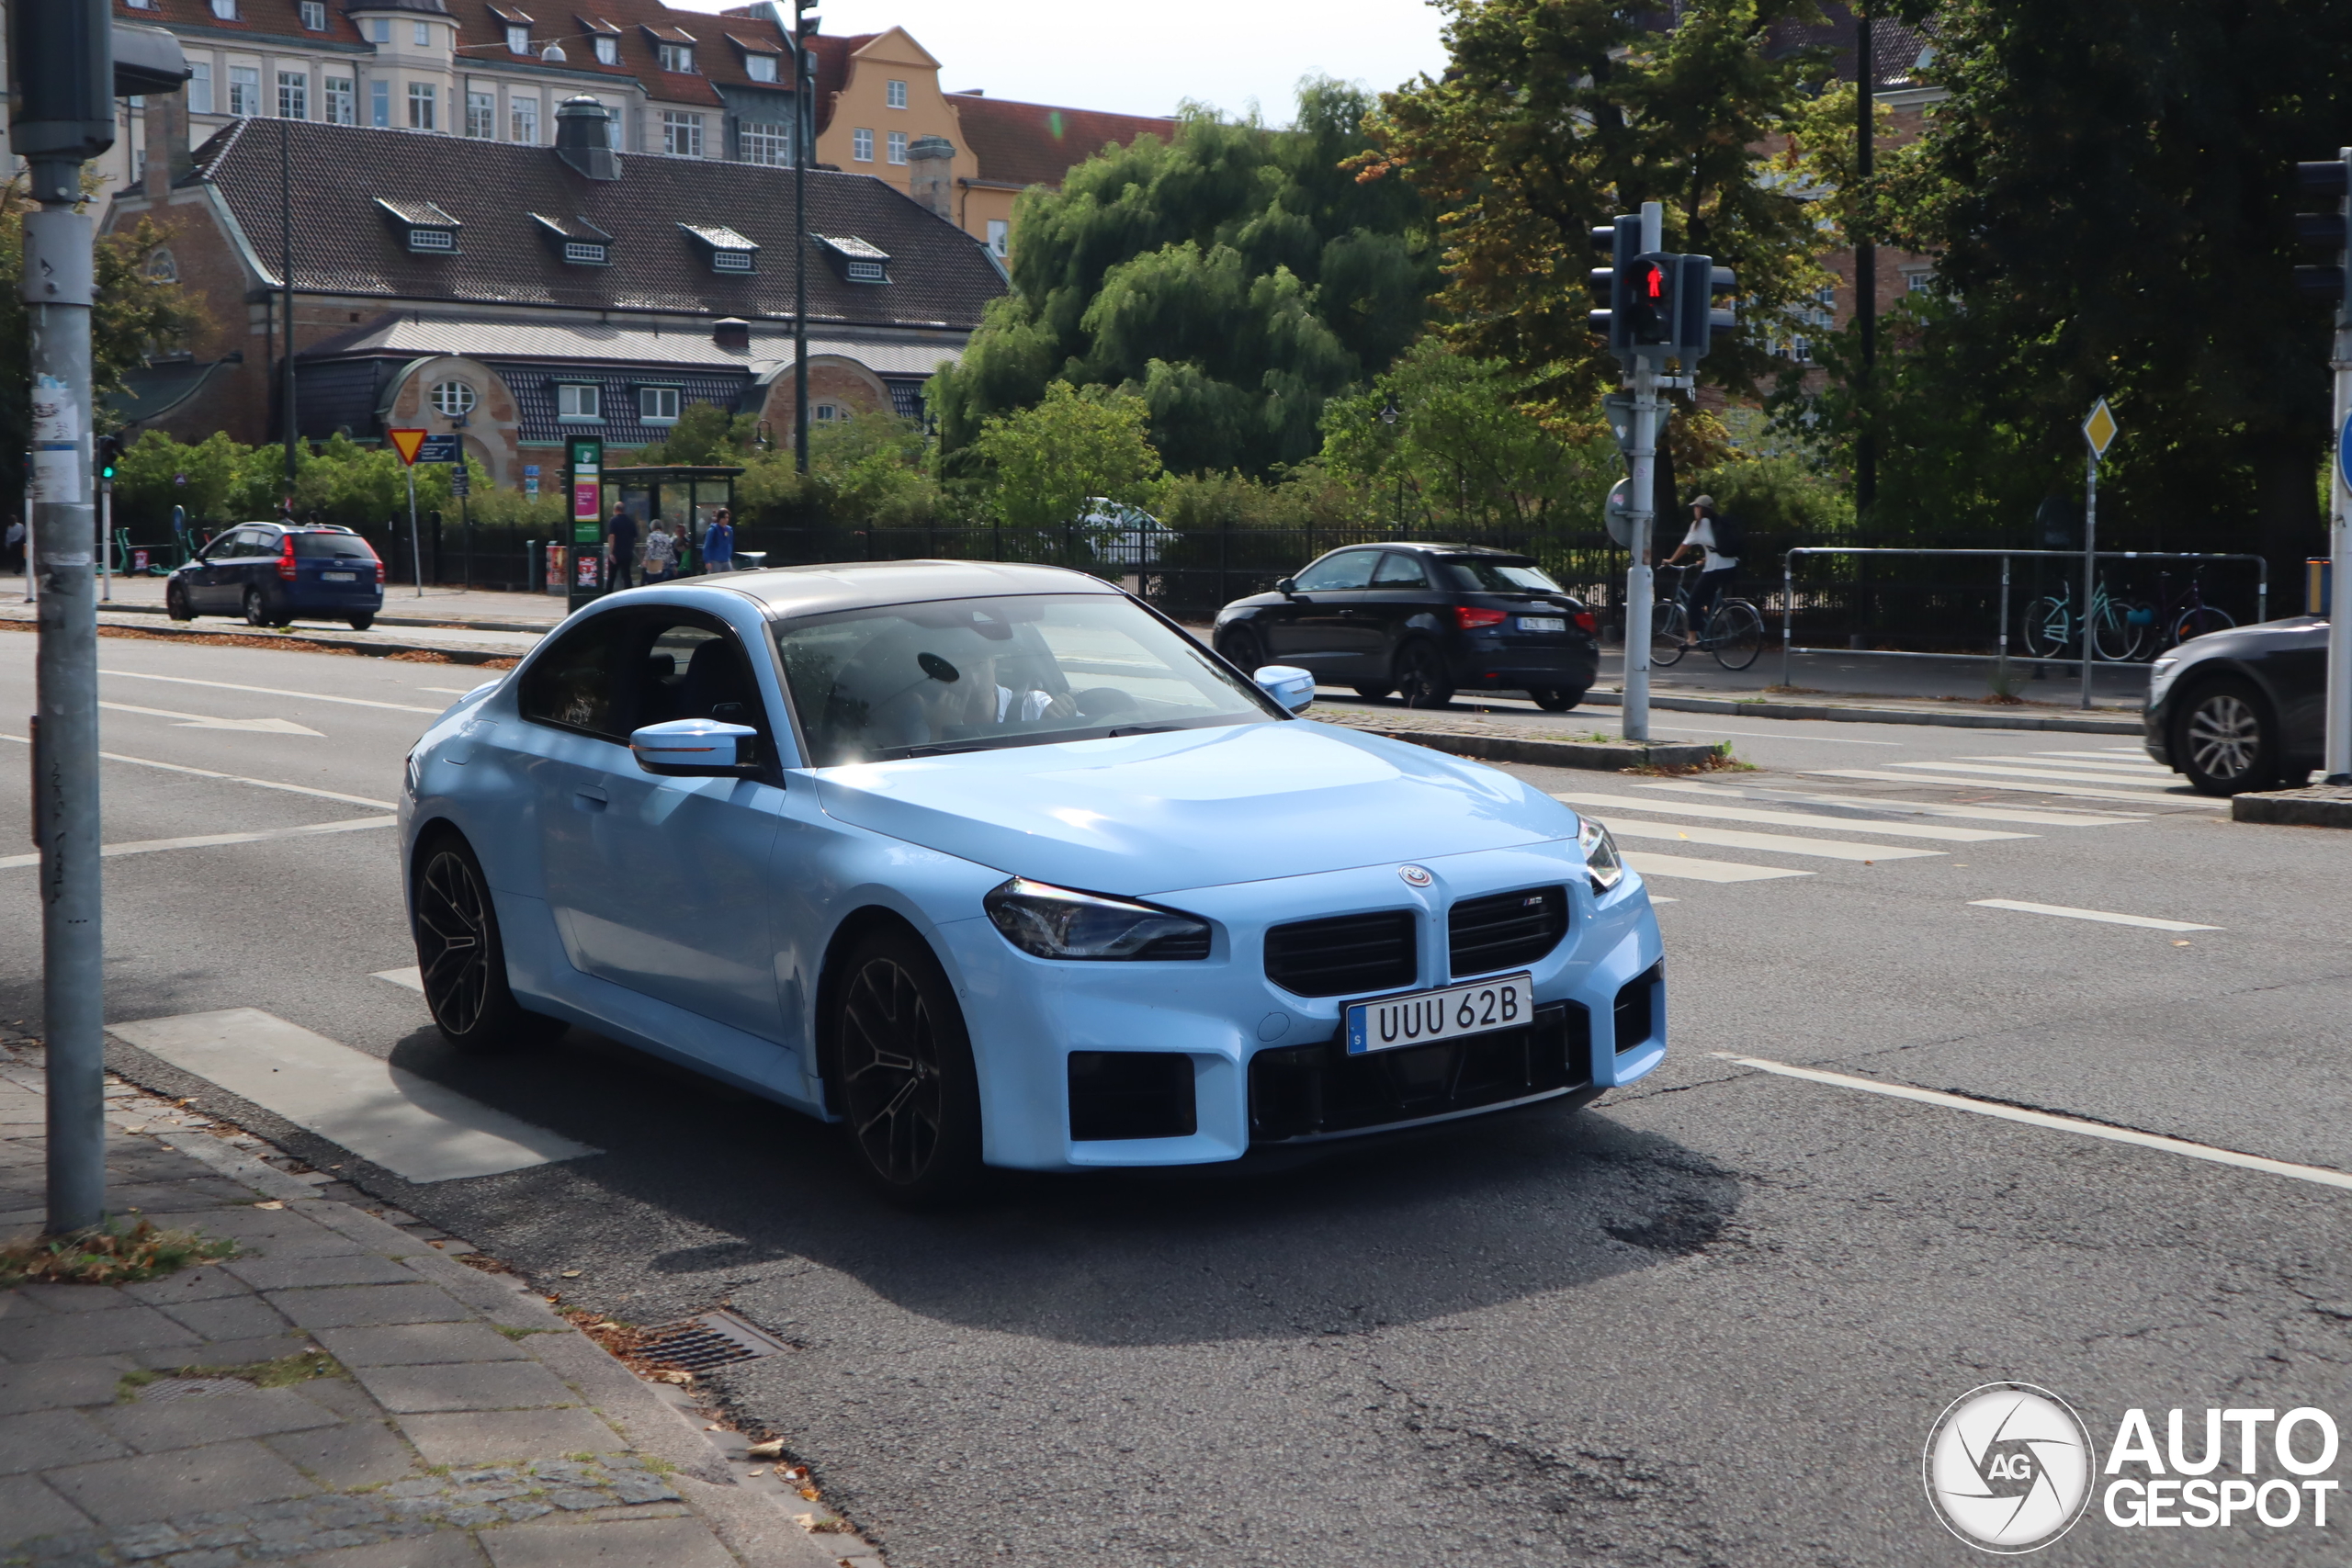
(16, 553)
(719, 542)
(620, 547)
(660, 553)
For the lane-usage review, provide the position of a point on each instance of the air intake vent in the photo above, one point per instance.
(1505, 931)
(1347, 954)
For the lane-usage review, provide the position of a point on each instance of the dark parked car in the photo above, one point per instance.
(2243, 708)
(271, 572)
(1424, 621)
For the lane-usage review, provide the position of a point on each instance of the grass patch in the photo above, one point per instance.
(1719, 760)
(109, 1255)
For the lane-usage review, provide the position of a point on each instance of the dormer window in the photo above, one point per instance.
(760, 67)
(427, 227)
(859, 260)
(608, 51)
(575, 240)
(314, 15)
(728, 252)
(518, 40)
(608, 36)
(678, 57)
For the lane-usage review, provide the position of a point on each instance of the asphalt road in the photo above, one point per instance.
(1709, 1320)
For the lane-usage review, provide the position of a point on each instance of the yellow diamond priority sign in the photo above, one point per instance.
(2100, 429)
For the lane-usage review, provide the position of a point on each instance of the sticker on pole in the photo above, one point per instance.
(2100, 429)
(407, 441)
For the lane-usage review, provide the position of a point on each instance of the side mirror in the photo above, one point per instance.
(1287, 684)
(1286, 586)
(698, 749)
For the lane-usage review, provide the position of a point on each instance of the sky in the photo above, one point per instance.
(1143, 59)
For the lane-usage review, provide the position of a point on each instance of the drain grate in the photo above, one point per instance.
(165, 1390)
(712, 1340)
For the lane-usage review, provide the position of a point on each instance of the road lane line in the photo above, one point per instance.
(2108, 769)
(2320, 1175)
(2045, 816)
(2102, 915)
(275, 692)
(1778, 734)
(209, 840)
(409, 1125)
(1769, 843)
(234, 778)
(1786, 819)
(2017, 768)
(1651, 864)
(2072, 791)
(207, 721)
(2112, 759)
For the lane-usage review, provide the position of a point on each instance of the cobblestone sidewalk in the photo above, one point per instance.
(336, 1394)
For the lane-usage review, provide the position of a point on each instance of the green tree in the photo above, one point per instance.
(157, 473)
(1044, 463)
(1235, 278)
(705, 435)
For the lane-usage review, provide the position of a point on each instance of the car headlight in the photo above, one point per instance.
(1053, 922)
(1601, 860)
(2160, 677)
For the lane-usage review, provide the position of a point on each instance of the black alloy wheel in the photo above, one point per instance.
(903, 1066)
(259, 613)
(1242, 650)
(176, 601)
(1556, 699)
(460, 959)
(2225, 739)
(1421, 677)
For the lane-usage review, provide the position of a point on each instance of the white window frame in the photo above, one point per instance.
(453, 399)
(379, 103)
(482, 114)
(659, 405)
(608, 49)
(825, 413)
(314, 15)
(424, 35)
(678, 58)
(760, 67)
(861, 145)
(518, 38)
(293, 94)
(379, 29)
(523, 118)
(766, 142)
(579, 402)
(681, 133)
(244, 91)
(424, 106)
(897, 146)
(199, 86)
(895, 94)
(338, 96)
(225, 10)
(998, 231)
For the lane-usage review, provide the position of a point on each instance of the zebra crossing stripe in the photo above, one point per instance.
(2072, 791)
(1770, 843)
(2043, 816)
(2015, 768)
(1650, 864)
(1786, 819)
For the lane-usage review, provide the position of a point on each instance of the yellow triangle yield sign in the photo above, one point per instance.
(406, 442)
(2100, 429)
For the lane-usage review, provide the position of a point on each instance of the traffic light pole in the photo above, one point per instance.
(2336, 746)
(1634, 720)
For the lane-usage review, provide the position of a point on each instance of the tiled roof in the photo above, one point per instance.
(1896, 48)
(833, 55)
(405, 336)
(535, 402)
(344, 245)
(254, 18)
(1029, 144)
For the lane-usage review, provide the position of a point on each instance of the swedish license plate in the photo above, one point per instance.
(1426, 1018)
(338, 577)
(1542, 623)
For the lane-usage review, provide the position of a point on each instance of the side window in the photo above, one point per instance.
(1400, 571)
(1349, 568)
(692, 668)
(573, 686)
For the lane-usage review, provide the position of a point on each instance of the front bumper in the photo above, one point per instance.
(1265, 1066)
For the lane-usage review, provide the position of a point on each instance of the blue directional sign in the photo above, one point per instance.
(437, 449)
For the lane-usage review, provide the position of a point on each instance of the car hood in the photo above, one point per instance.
(1148, 814)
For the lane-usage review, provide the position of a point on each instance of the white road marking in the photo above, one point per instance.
(2134, 758)
(273, 691)
(2046, 817)
(1650, 864)
(1787, 819)
(2018, 768)
(2109, 767)
(209, 840)
(232, 778)
(411, 1126)
(2073, 791)
(410, 978)
(1770, 843)
(1775, 735)
(2101, 915)
(2320, 1175)
(445, 691)
(206, 721)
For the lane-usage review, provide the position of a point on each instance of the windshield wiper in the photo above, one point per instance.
(1138, 730)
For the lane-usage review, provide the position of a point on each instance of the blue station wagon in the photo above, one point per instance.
(273, 573)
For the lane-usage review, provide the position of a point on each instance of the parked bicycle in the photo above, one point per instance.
(1734, 632)
(2175, 620)
(2053, 626)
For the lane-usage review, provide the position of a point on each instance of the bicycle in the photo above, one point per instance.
(1734, 634)
(2051, 626)
(2186, 616)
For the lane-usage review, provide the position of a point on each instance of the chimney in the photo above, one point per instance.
(732, 333)
(928, 163)
(168, 156)
(583, 139)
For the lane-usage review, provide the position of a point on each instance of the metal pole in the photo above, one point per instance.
(105, 540)
(1865, 264)
(1788, 611)
(285, 281)
(804, 124)
(2335, 747)
(1633, 721)
(415, 544)
(2004, 641)
(57, 283)
(2090, 567)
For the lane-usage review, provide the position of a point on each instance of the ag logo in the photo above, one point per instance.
(2008, 1467)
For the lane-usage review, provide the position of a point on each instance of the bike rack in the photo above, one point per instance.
(2090, 645)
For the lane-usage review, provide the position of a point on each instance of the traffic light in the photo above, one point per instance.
(110, 452)
(1622, 240)
(1650, 298)
(1697, 321)
(2327, 230)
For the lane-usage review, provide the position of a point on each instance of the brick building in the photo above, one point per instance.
(516, 293)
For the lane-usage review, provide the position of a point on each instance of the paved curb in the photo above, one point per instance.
(1610, 755)
(376, 647)
(2121, 724)
(2321, 805)
(445, 623)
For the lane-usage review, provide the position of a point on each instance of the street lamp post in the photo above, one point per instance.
(804, 125)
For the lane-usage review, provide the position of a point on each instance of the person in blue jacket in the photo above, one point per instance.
(719, 542)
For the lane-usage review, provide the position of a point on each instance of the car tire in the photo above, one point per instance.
(1556, 699)
(1242, 649)
(176, 601)
(361, 622)
(259, 613)
(2225, 738)
(1422, 679)
(901, 1069)
(1375, 694)
(462, 959)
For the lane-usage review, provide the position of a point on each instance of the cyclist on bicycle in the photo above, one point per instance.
(1706, 594)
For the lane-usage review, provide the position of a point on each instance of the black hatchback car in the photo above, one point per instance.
(2241, 709)
(271, 572)
(1423, 621)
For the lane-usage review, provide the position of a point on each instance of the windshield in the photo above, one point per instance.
(961, 675)
(1492, 575)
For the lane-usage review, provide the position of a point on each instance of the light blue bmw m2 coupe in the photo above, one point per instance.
(998, 866)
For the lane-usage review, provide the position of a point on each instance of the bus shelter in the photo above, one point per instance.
(683, 497)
